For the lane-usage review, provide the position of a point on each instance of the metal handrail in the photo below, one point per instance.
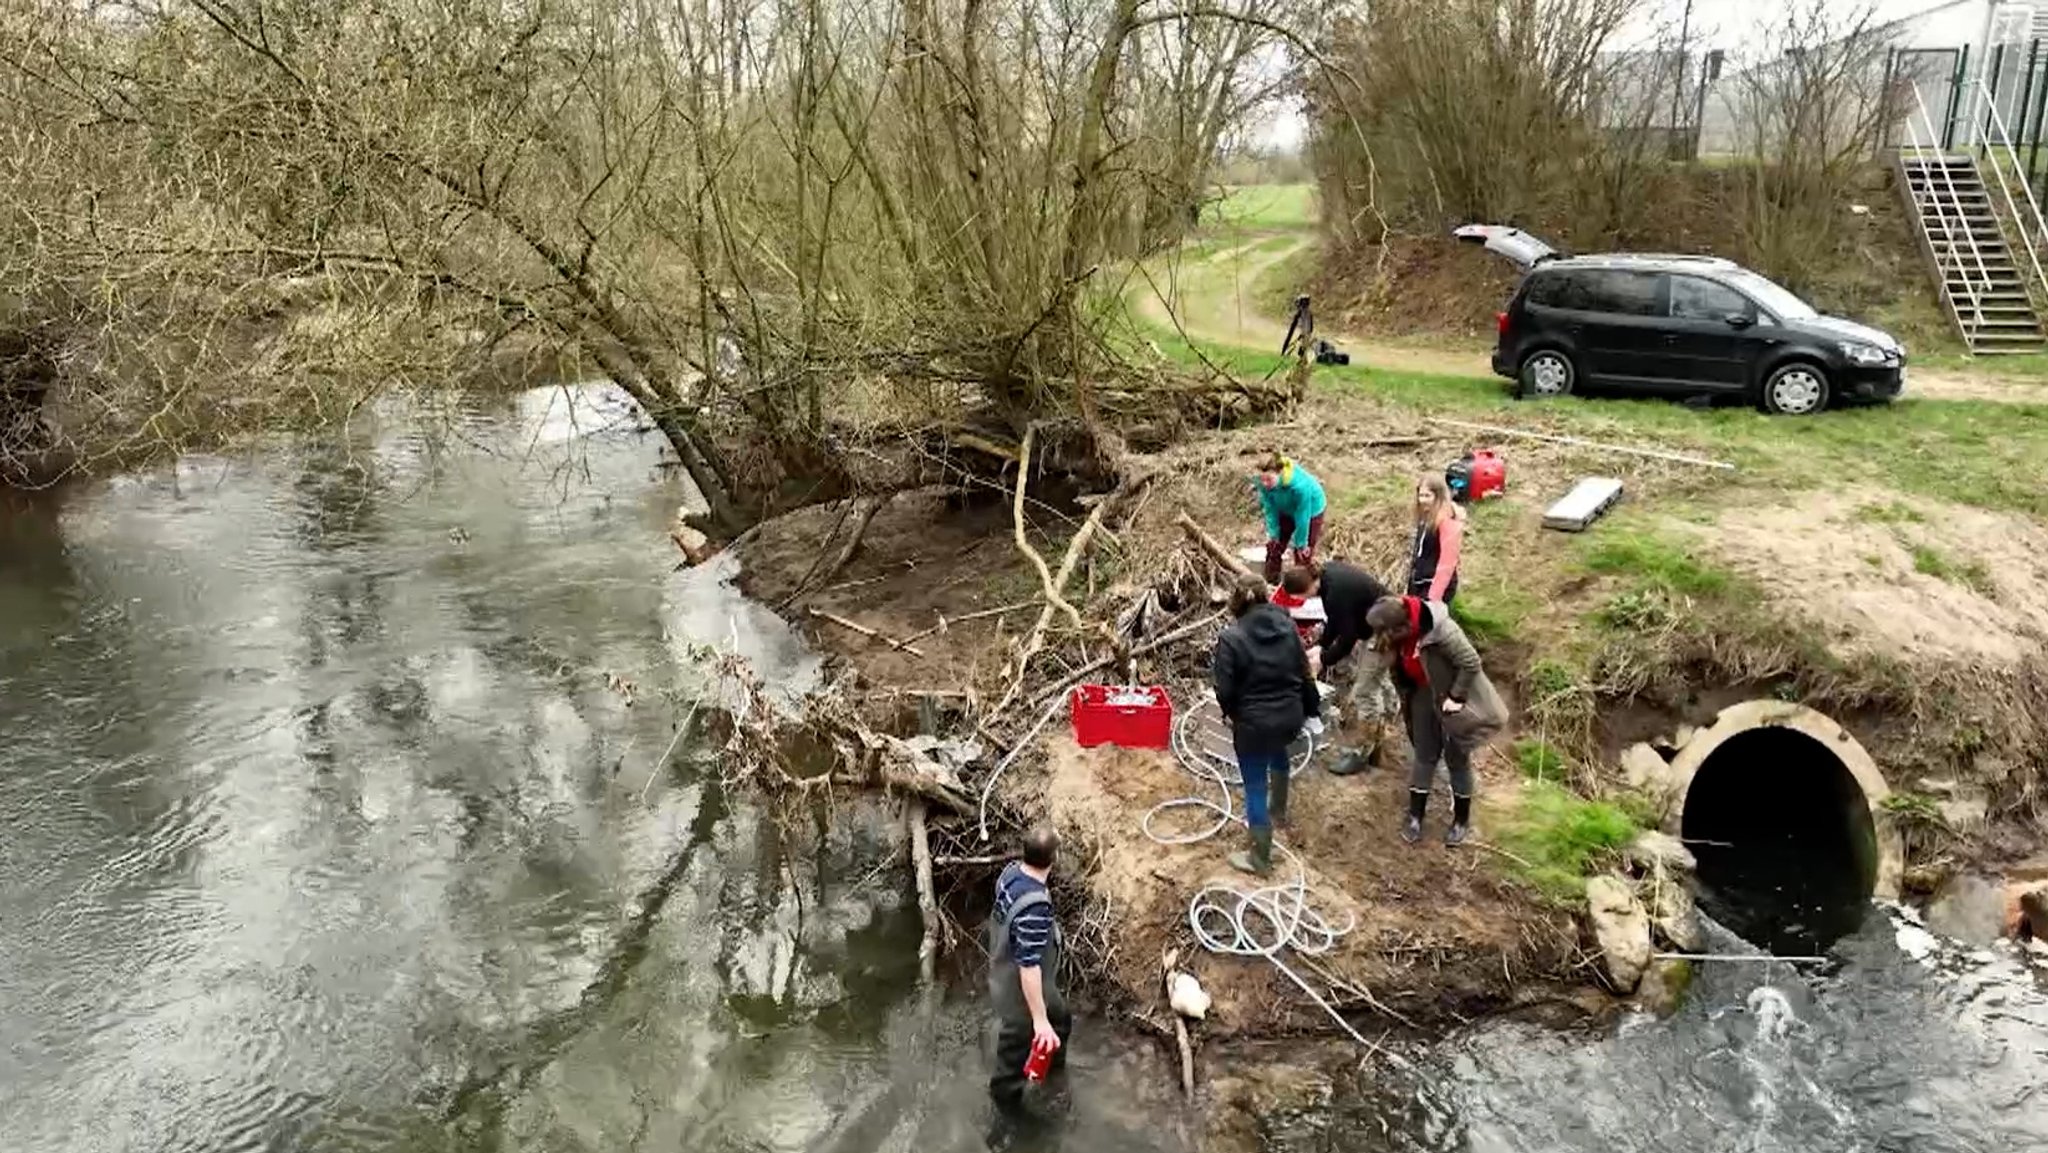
(1941, 213)
(2003, 139)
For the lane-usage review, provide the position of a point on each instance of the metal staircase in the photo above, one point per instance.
(1988, 286)
(1981, 284)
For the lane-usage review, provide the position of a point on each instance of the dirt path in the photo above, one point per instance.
(1217, 302)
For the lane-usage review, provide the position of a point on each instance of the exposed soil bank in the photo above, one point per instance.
(1918, 703)
(1437, 936)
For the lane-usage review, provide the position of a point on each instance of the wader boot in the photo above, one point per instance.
(1006, 1083)
(1258, 861)
(1276, 802)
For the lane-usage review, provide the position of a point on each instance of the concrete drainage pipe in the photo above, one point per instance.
(1782, 806)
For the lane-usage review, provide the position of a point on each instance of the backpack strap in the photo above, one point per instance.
(1029, 900)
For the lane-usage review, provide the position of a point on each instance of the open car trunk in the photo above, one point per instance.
(1518, 246)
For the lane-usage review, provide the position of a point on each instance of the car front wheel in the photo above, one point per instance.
(1548, 373)
(1796, 390)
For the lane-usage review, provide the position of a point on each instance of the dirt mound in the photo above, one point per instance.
(926, 555)
(1909, 577)
(1434, 930)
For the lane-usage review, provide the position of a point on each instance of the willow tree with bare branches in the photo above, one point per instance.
(825, 244)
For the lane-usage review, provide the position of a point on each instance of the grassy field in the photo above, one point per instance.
(1292, 209)
(1972, 453)
(1265, 206)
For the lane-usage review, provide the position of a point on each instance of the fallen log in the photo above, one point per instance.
(862, 511)
(1211, 546)
(1053, 586)
(927, 898)
(1581, 442)
(946, 622)
(981, 862)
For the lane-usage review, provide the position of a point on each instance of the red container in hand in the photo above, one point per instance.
(1129, 717)
(1039, 1062)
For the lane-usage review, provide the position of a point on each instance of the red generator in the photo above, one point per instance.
(1482, 473)
(1127, 716)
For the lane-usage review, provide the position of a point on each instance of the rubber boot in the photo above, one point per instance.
(1418, 806)
(1276, 800)
(1258, 860)
(1461, 822)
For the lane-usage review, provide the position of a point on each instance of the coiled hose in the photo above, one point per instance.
(1241, 921)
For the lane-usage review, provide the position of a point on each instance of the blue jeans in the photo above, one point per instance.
(1258, 769)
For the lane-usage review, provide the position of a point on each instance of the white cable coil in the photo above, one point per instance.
(1226, 918)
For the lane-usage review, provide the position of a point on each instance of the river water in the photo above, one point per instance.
(335, 818)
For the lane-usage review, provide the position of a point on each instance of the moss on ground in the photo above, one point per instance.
(1555, 839)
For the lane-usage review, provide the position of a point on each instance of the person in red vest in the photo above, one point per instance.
(1450, 707)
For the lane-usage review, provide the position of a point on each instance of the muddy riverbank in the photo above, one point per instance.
(1612, 645)
(347, 812)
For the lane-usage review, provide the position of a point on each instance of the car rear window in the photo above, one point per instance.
(1607, 290)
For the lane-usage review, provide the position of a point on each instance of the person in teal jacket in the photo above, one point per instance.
(1293, 502)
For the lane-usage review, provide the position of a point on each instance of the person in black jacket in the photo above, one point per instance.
(1348, 594)
(1266, 692)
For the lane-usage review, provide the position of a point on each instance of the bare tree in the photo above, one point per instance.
(1472, 109)
(892, 209)
(1806, 110)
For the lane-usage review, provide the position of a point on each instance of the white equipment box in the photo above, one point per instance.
(1587, 502)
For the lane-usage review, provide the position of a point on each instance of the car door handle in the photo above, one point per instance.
(1670, 339)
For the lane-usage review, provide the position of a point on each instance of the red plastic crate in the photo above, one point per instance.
(1097, 722)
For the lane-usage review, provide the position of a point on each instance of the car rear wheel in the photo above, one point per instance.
(1548, 373)
(1797, 389)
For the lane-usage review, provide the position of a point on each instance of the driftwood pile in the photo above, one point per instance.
(947, 774)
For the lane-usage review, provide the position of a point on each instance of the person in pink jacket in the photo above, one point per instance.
(1439, 542)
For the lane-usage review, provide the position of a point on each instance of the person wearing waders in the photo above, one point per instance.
(1266, 693)
(1439, 542)
(1293, 503)
(1024, 947)
(1451, 708)
(1348, 594)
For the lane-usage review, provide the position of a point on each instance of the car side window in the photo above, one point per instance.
(1630, 293)
(1697, 298)
(1548, 290)
(1613, 291)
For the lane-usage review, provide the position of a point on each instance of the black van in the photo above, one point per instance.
(1678, 325)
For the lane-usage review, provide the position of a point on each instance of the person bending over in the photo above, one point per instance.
(1347, 593)
(1293, 503)
(1451, 708)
